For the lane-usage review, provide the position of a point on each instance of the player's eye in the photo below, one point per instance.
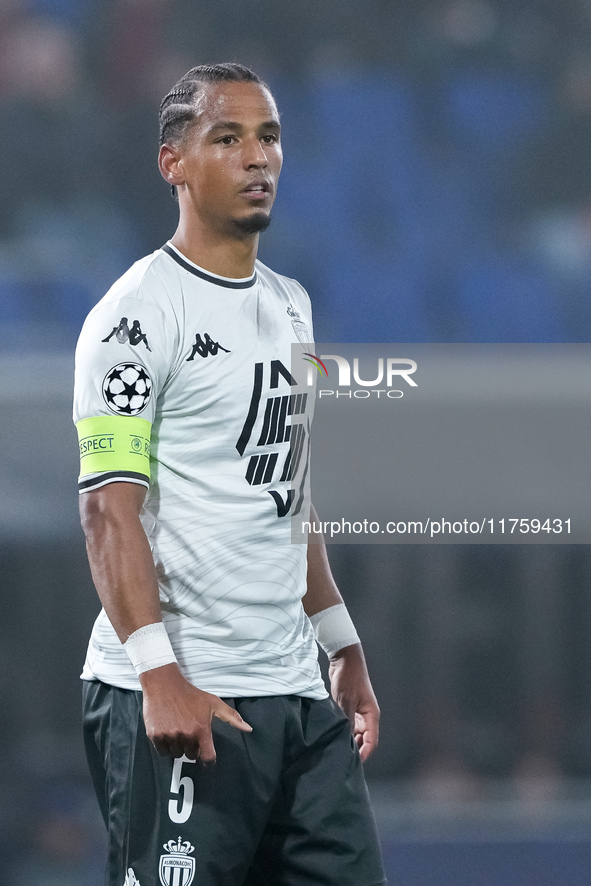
(270, 139)
(226, 139)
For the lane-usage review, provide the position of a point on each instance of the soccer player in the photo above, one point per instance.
(204, 652)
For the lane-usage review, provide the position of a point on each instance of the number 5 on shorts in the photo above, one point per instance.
(180, 814)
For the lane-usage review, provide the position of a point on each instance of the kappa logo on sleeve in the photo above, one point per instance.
(124, 334)
(127, 388)
(131, 879)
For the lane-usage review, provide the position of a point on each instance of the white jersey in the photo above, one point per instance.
(196, 368)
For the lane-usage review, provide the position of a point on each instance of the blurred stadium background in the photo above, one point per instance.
(437, 187)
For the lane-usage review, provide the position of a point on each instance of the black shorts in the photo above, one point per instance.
(285, 805)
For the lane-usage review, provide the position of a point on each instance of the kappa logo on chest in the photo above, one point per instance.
(205, 346)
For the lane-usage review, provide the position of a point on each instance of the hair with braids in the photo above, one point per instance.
(178, 107)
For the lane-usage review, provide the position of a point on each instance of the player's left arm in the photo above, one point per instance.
(349, 680)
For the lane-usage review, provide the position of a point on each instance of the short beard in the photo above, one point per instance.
(252, 224)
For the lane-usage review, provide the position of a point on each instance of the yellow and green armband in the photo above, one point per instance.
(112, 448)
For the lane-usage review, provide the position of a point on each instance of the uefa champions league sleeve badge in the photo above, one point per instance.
(127, 388)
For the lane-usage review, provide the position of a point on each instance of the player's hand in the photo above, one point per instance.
(178, 715)
(351, 689)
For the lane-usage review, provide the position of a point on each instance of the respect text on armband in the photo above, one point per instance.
(103, 443)
(109, 443)
(97, 443)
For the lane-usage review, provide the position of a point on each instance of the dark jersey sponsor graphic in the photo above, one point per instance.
(205, 346)
(278, 426)
(124, 334)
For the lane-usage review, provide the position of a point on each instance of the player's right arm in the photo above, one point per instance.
(118, 379)
(177, 714)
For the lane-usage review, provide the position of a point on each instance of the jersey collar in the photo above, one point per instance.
(227, 282)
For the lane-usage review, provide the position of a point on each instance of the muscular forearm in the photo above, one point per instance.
(350, 684)
(322, 591)
(177, 715)
(323, 603)
(120, 557)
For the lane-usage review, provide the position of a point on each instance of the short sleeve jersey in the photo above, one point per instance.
(183, 385)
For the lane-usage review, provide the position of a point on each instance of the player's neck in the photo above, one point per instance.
(217, 252)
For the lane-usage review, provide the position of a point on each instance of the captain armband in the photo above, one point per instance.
(149, 648)
(113, 448)
(334, 628)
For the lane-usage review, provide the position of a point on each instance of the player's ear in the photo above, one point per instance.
(169, 163)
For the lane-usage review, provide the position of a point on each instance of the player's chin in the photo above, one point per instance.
(253, 223)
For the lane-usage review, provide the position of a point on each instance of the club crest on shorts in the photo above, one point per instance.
(177, 868)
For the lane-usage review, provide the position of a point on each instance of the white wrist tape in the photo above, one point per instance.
(149, 648)
(334, 629)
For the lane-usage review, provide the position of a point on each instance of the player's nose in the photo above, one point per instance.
(254, 154)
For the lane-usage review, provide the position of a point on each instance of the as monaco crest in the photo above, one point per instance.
(176, 868)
